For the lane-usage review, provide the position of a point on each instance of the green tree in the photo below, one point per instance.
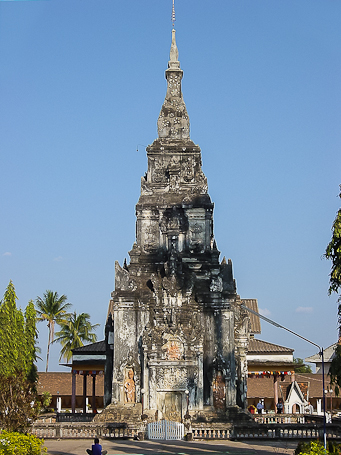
(19, 405)
(300, 367)
(9, 324)
(74, 332)
(31, 335)
(333, 252)
(46, 399)
(18, 336)
(53, 309)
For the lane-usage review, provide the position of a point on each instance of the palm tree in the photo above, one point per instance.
(51, 308)
(74, 332)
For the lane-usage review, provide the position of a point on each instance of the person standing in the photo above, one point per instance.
(260, 407)
(279, 407)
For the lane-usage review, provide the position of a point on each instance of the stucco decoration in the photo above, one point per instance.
(171, 378)
(129, 387)
(218, 387)
(175, 310)
(174, 348)
(123, 280)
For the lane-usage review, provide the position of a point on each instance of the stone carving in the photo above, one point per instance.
(216, 284)
(171, 378)
(167, 299)
(196, 239)
(170, 285)
(173, 221)
(218, 388)
(123, 281)
(158, 172)
(145, 189)
(201, 182)
(173, 348)
(150, 238)
(241, 324)
(174, 85)
(129, 387)
(174, 163)
(188, 169)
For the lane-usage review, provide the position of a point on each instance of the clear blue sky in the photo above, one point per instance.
(81, 85)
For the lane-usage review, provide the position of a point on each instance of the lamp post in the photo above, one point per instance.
(142, 393)
(270, 321)
(187, 416)
(143, 415)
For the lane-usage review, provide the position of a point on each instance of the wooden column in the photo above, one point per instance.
(93, 404)
(73, 397)
(85, 373)
(276, 390)
(293, 379)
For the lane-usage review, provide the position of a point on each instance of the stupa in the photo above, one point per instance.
(177, 336)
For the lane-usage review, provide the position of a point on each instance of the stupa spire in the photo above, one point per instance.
(173, 122)
(173, 14)
(174, 53)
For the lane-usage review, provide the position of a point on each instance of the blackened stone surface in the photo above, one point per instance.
(176, 316)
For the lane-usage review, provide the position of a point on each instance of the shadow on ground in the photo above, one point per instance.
(125, 447)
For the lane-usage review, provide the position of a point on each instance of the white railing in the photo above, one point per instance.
(211, 433)
(165, 429)
(279, 418)
(83, 430)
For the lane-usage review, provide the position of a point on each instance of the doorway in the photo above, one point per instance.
(172, 409)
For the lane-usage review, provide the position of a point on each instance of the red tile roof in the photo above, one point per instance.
(263, 347)
(62, 383)
(254, 320)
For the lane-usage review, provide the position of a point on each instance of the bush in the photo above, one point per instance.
(317, 448)
(20, 444)
(334, 448)
(311, 448)
(45, 400)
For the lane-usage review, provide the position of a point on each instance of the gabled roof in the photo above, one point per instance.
(295, 393)
(255, 321)
(328, 353)
(263, 347)
(93, 348)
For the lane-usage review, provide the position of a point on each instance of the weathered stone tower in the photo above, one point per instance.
(176, 328)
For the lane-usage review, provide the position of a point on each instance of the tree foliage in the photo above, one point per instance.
(46, 399)
(300, 366)
(18, 336)
(18, 402)
(310, 448)
(76, 330)
(53, 309)
(18, 373)
(335, 370)
(333, 252)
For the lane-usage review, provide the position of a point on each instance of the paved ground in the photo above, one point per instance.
(115, 447)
